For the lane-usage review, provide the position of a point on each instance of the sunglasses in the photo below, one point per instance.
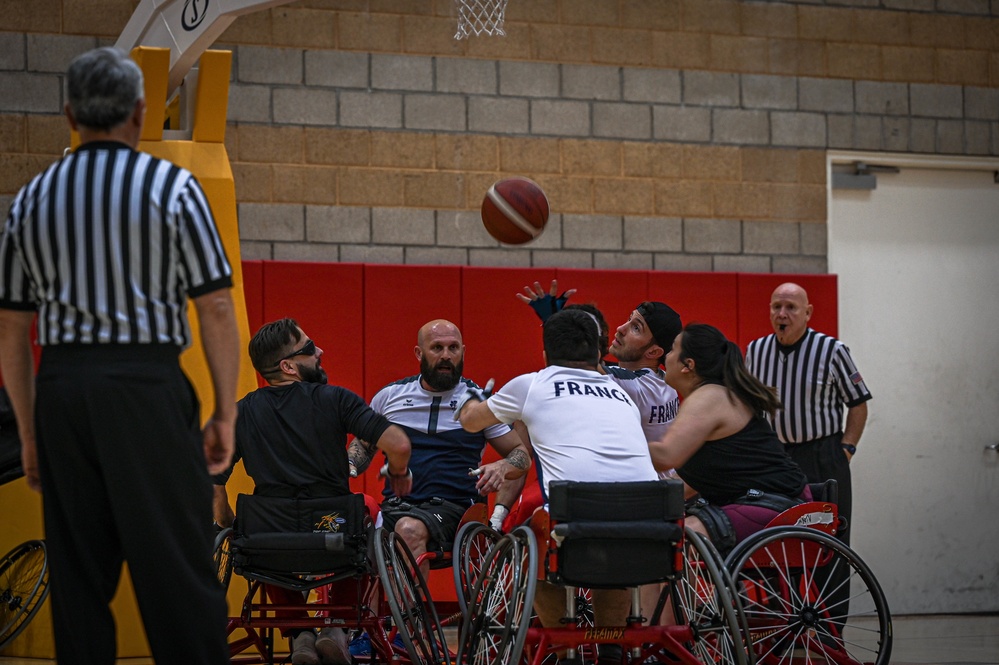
(308, 349)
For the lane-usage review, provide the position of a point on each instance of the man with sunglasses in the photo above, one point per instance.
(292, 437)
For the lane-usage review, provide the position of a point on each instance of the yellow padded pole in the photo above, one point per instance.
(155, 65)
(212, 100)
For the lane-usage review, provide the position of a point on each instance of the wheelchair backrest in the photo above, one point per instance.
(266, 514)
(613, 535)
(278, 535)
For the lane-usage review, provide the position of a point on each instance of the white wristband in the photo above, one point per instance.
(499, 514)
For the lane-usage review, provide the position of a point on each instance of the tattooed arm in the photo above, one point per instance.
(360, 453)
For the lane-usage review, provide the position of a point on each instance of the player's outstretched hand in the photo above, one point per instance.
(544, 304)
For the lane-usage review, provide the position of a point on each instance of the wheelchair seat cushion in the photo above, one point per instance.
(616, 554)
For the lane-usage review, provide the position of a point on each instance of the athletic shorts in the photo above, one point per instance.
(441, 518)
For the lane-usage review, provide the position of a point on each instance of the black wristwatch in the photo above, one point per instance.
(850, 448)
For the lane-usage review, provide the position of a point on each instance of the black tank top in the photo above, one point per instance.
(753, 458)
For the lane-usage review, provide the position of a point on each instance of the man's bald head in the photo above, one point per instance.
(790, 312)
(436, 328)
(441, 353)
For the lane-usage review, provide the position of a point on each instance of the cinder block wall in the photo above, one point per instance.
(668, 134)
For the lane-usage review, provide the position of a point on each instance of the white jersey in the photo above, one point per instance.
(583, 426)
(657, 402)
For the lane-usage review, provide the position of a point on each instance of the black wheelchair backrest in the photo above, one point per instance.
(615, 534)
(293, 536)
(825, 491)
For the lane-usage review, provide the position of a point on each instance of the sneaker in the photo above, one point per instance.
(303, 649)
(360, 645)
(332, 646)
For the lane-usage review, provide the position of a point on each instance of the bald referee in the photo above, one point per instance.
(106, 246)
(815, 379)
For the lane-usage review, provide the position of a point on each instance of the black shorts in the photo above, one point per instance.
(441, 518)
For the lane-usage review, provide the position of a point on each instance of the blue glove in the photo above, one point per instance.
(548, 305)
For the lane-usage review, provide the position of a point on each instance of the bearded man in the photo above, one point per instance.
(443, 454)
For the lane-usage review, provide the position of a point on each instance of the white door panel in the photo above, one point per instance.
(918, 266)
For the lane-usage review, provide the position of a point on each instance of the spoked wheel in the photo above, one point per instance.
(785, 578)
(413, 612)
(24, 586)
(499, 612)
(471, 544)
(703, 601)
(223, 562)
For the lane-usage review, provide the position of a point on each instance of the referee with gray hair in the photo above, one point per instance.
(815, 378)
(106, 246)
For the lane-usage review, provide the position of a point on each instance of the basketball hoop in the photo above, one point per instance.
(479, 17)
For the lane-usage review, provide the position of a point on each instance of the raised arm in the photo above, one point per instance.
(544, 304)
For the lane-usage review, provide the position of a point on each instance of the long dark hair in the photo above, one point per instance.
(717, 360)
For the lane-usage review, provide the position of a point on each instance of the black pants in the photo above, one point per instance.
(124, 479)
(822, 459)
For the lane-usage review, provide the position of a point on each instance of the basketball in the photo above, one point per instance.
(515, 210)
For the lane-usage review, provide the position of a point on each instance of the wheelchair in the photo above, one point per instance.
(605, 536)
(361, 578)
(24, 571)
(24, 586)
(796, 609)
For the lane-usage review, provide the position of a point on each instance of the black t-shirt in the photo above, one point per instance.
(725, 469)
(296, 435)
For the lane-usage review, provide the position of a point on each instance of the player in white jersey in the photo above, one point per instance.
(639, 345)
(607, 445)
(583, 426)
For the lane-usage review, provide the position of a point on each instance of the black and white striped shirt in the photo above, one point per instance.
(814, 378)
(107, 244)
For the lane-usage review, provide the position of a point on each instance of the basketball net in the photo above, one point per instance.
(479, 17)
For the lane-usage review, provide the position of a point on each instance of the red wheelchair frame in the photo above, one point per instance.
(795, 609)
(498, 628)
